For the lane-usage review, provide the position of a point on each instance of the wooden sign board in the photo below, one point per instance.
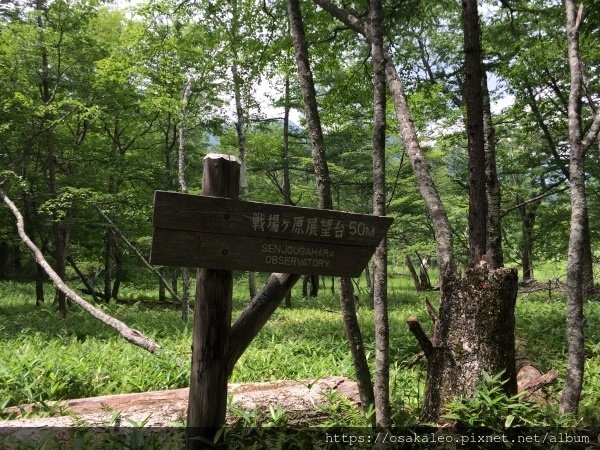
(221, 233)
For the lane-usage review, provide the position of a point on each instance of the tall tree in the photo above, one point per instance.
(379, 288)
(313, 120)
(477, 310)
(475, 132)
(571, 394)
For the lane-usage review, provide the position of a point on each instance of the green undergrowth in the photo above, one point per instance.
(43, 358)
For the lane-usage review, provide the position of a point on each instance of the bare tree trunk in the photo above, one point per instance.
(588, 263)
(118, 272)
(413, 273)
(527, 214)
(475, 132)
(381, 385)
(569, 402)
(39, 272)
(240, 127)
(311, 109)
(287, 187)
(425, 183)
(109, 249)
(492, 187)
(185, 96)
(162, 284)
(355, 343)
(325, 198)
(47, 97)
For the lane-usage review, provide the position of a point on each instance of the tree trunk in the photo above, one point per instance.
(287, 187)
(474, 333)
(185, 274)
(58, 232)
(355, 343)
(444, 377)
(118, 271)
(569, 402)
(129, 334)
(39, 284)
(240, 127)
(492, 186)
(161, 290)
(314, 286)
(425, 183)
(475, 132)
(109, 250)
(527, 221)
(587, 276)
(381, 386)
(413, 273)
(311, 109)
(325, 198)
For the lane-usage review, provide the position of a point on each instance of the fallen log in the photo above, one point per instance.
(131, 335)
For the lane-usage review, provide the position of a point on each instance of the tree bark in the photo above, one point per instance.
(287, 187)
(325, 198)
(311, 109)
(445, 378)
(569, 402)
(492, 186)
(425, 183)
(474, 333)
(185, 274)
(118, 273)
(109, 249)
(240, 128)
(381, 385)
(58, 232)
(475, 133)
(527, 214)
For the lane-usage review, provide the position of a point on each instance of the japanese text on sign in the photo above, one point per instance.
(306, 226)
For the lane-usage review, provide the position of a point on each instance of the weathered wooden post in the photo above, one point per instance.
(212, 321)
(219, 232)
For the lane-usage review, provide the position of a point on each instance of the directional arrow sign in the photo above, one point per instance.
(220, 233)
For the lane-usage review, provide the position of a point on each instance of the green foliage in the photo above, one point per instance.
(44, 359)
(490, 407)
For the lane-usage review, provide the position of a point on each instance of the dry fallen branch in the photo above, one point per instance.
(133, 336)
(138, 254)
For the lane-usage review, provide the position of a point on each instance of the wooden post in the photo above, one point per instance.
(212, 322)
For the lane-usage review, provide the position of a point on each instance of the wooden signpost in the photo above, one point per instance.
(219, 233)
(201, 231)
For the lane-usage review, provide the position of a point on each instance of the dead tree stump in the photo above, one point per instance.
(475, 333)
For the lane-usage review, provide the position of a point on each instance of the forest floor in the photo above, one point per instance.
(304, 403)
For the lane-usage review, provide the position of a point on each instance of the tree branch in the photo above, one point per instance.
(130, 334)
(591, 134)
(137, 253)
